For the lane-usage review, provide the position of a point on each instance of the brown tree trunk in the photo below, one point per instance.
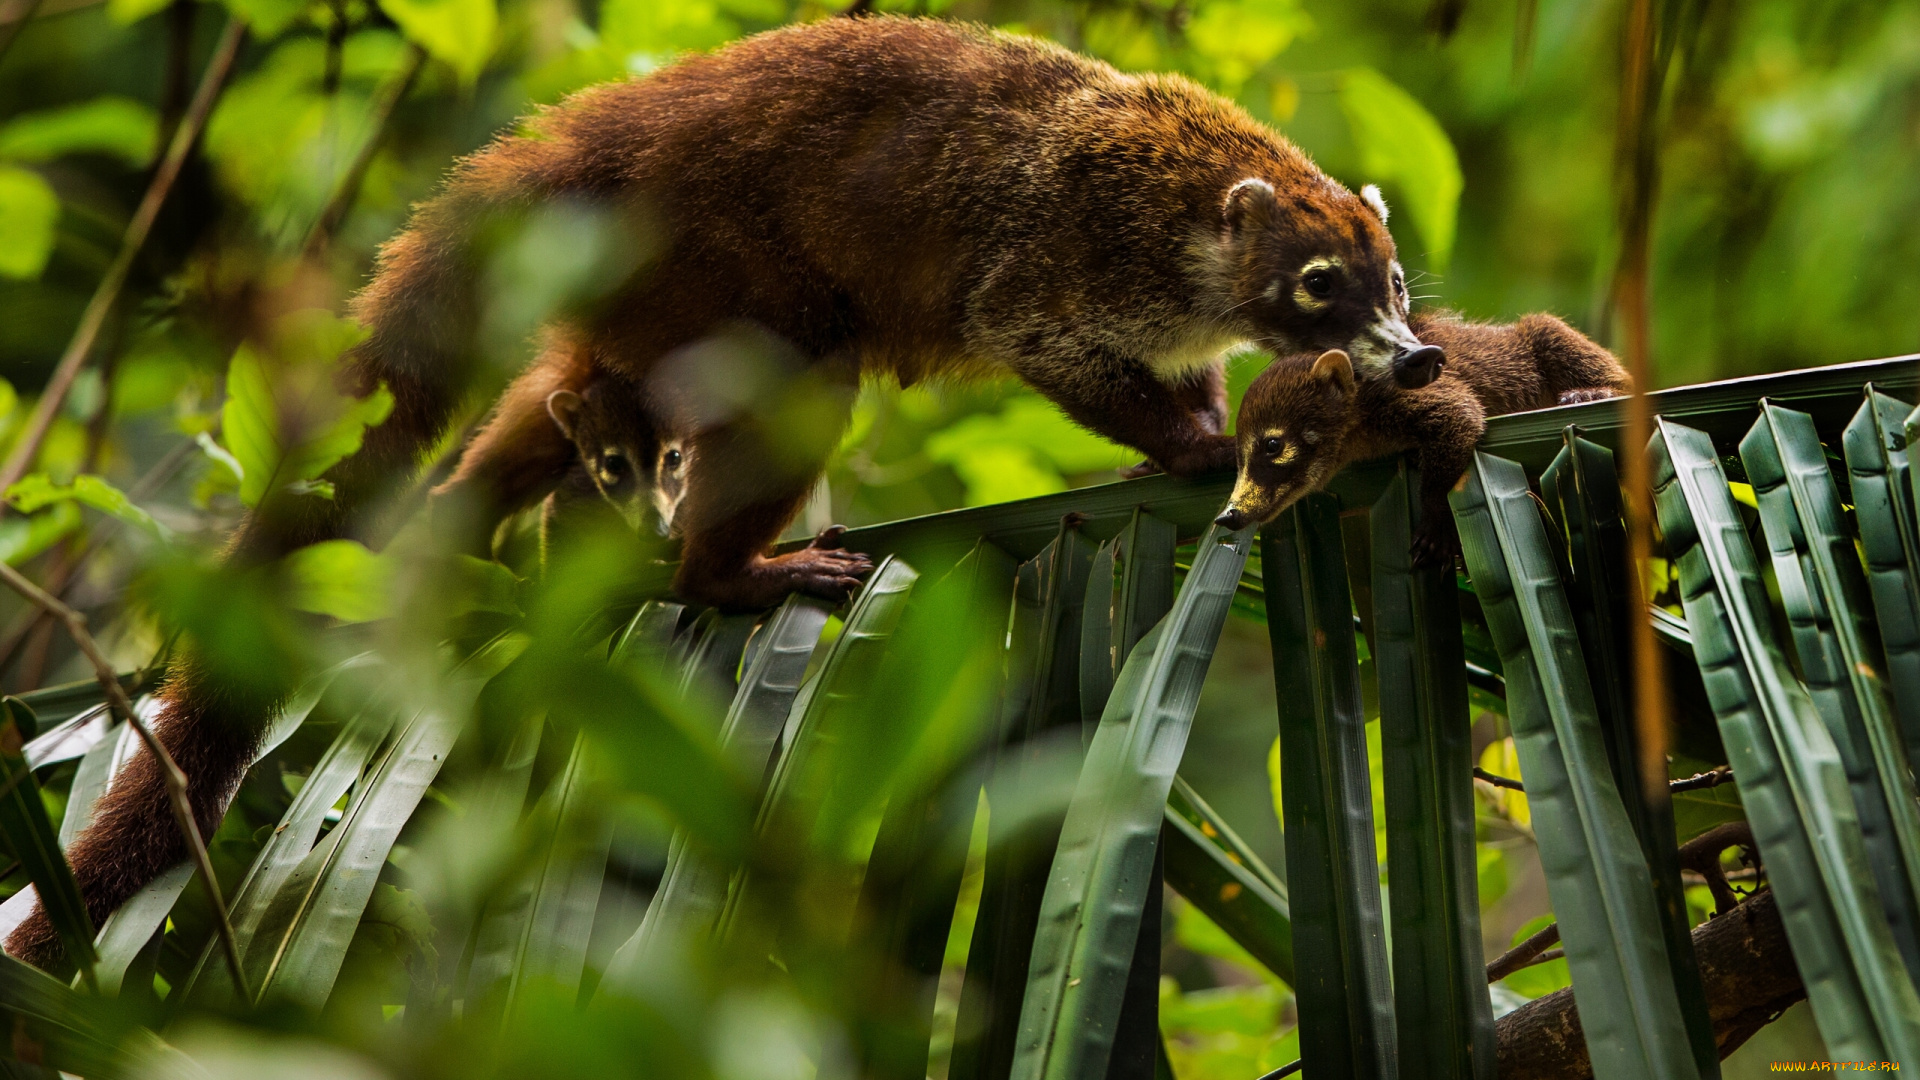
(1745, 965)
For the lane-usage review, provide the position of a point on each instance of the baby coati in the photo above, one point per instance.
(627, 461)
(879, 197)
(1306, 417)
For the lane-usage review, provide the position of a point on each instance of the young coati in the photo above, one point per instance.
(627, 461)
(873, 196)
(1304, 418)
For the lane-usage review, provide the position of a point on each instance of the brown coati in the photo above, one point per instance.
(1306, 417)
(878, 197)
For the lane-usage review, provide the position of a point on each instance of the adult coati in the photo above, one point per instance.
(1306, 417)
(872, 196)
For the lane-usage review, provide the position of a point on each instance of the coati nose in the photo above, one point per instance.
(1416, 367)
(1232, 518)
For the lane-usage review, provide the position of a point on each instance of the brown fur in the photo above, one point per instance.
(1306, 417)
(856, 196)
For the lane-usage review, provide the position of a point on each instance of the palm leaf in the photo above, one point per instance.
(1826, 600)
(1208, 863)
(1440, 986)
(1090, 918)
(1597, 876)
(1879, 475)
(31, 838)
(1333, 879)
(1791, 781)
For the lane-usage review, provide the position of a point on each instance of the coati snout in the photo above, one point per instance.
(640, 470)
(1291, 433)
(1316, 270)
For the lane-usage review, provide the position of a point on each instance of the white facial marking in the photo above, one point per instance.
(1306, 300)
(1287, 454)
(1272, 292)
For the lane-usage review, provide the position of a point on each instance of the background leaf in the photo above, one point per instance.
(110, 124)
(1401, 144)
(29, 211)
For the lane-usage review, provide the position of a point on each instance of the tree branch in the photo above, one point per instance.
(1746, 968)
(176, 781)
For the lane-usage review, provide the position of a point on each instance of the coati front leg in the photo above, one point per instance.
(1573, 366)
(744, 487)
(1440, 424)
(1121, 399)
(1202, 392)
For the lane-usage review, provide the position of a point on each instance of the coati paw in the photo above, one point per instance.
(824, 568)
(1588, 393)
(1435, 544)
(1144, 468)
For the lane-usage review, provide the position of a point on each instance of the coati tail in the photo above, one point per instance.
(418, 311)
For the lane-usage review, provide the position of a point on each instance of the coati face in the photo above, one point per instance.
(1292, 434)
(639, 471)
(1315, 269)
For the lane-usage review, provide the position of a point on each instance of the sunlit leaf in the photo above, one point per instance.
(29, 211)
(1241, 35)
(23, 538)
(459, 32)
(340, 578)
(291, 431)
(1401, 144)
(118, 126)
(266, 19)
(132, 11)
(37, 491)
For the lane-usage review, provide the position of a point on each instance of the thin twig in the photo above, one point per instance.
(1497, 780)
(1712, 778)
(107, 293)
(176, 781)
(1525, 953)
(1286, 1070)
(348, 190)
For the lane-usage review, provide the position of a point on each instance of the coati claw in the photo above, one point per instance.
(830, 538)
(1435, 545)
(1135, 472)
(1590, 393)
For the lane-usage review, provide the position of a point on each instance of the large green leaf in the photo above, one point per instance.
(1880, 479)
(1341, 982)
(1401, 144)
(1583, 490)
(1825, 595)
(1090, 918)
(1792, 783)
(1426, 741)
(693, 888)
(284, 422)
(31, 838)
(1041, 701)
(37, 491)
(1597, 876)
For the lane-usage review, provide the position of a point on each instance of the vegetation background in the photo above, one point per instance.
(1786, 233)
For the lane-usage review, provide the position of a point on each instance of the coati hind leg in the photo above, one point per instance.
(1202, 392)
(1123, 400)
(743, 489)
(1573, 367)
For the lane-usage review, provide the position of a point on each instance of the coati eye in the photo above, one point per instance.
(615, 465)
(1318, 282)
(671, 459)
(1272, 445)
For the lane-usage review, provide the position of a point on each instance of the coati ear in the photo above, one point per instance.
(1250, 205)
(1371, 196)
(564, 407)
(1336, 369)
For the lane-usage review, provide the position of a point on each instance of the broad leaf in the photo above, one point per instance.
(29, 211)
(459, 32)
(341, 578)
(38, 491)
(109, 124)
(284, 422)
(1401, 144)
